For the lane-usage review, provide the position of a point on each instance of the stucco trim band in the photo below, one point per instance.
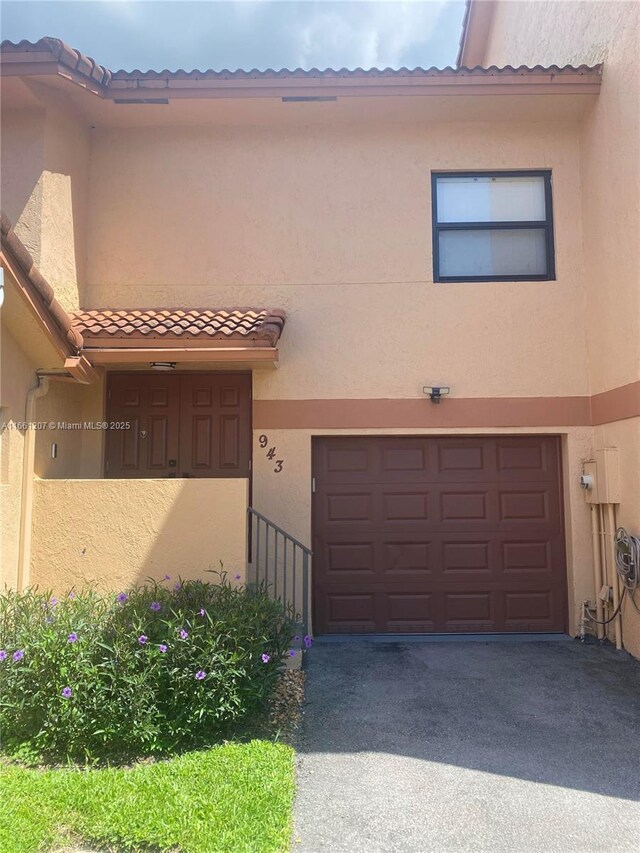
(618, 404)
(608, 407)
(421, 413)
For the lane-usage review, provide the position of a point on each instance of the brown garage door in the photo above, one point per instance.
(415, 534)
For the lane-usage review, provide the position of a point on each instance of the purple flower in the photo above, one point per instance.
(238, 577)
(18, 655)
(177, 585)
(122, 597)
(296, 639)
(183, 634)
(72, 637)
(66, 692)
(53, 602)
(201, 611)
(200, 674)
(308, 641)
(3, 655)
(292, 653)
(72, 594)
(167, 578)
(155, 606)
(162, 648)
(266, 658)
(142, 639)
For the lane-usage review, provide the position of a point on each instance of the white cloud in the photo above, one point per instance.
(245, 33)
(369, 34)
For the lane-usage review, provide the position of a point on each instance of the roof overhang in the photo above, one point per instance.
(225, 358)
(52, 58)
(242, 337)
(63, 343)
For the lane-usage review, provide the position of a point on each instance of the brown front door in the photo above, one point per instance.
(181, 425)
(418, 535)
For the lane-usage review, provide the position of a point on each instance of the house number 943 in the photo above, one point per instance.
(271, 452)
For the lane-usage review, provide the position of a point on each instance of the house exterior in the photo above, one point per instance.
(252, 277)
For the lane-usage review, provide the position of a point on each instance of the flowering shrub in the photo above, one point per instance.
(148, 670)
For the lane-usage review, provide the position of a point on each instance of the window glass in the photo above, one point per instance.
(491, 199)
(493, 252)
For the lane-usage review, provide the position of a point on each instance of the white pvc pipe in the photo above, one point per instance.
(615, 582)
(597, 570)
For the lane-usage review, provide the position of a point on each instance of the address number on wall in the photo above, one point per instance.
(271, 453)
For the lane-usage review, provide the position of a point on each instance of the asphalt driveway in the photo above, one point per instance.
(469, 746)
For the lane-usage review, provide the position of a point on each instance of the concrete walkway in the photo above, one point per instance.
(526, 747)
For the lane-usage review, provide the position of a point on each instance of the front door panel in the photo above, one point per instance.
(180, 425)
(150, 405)
(215, 425)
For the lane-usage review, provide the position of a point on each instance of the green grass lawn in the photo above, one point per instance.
(236, 797)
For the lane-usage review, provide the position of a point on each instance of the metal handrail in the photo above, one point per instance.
(279, 567)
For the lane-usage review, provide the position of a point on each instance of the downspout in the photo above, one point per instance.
(26, 497)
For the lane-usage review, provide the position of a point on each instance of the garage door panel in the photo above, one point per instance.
(350, 611)
(404, 557)
(476, 545)
(472, 610)
(345, 461)
(342, 559)
(405, 457)
(404, 505)
(346, 505)
(463, 506)
(520, 557)
(409, 613)
(533, 458)
(528, 505)
(465, 560)
(463, 459)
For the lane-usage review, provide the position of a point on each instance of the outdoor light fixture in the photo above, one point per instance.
(437, 392)
(163, 365)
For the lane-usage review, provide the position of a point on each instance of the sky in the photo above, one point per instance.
(201, 34)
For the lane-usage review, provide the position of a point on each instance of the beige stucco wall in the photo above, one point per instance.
(115, 533)
(21, 168)
(335, 227)
(16, 377)
(73, 414)
(45, 173)
(591, 32)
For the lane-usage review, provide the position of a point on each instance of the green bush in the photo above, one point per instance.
(147, 671)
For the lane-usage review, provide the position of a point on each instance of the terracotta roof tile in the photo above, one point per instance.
(99, 326)
(65, 55)
(119, 82)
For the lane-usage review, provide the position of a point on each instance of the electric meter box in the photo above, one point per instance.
(605, 471)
